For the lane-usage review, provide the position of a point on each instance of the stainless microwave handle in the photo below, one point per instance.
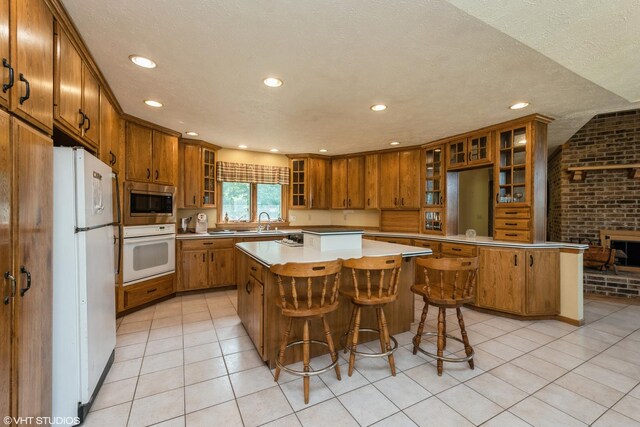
(145, 239)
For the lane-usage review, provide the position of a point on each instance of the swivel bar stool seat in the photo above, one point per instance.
(313, 296)
(378, 288)
(449, 283)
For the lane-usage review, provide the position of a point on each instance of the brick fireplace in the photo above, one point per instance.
(606, 200)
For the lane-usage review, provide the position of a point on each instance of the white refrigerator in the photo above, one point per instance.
(84, 324)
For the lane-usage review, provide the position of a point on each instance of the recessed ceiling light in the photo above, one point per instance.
(518, 105)
(394, 143)
(242, 146)
(141, 61)
(274, 150)
(323, 150)
(272, 82)
(437, 150)
(152, 103)
(192, 133)
(378, 107)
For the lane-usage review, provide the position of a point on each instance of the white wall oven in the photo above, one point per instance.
(148, 251)
(149, 204)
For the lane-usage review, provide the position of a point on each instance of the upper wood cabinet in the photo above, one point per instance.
(434, 199)
(76, 94)
(111, 136)
(26, 245)
(469, 151)
(347, 179)
(197, 183)
(310, 187)
(152, 156)
(371, 178)
(28, 61)
(399, 188)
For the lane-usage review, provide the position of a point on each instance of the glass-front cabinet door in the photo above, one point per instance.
(479, 149)
(298, 183)
(209, 179)
(434, 190)
(457, 153)
(512, 168)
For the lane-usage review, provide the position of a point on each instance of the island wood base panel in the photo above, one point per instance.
(564, 319)
(266, 330)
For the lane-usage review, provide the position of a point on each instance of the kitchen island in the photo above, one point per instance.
(258, 292)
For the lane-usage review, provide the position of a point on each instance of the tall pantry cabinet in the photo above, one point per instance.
(26, 223)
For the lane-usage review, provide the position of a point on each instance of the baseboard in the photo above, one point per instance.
(83, 410)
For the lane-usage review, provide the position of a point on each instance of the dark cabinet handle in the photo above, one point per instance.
(368, 202)
(208, 243)
(194, 200)
(7, 86)
(27, 93)
(246, 287)
(157, 174)
(511, 213)
(148, 173)
(511, 234)
(530, 260)
(204, 259)
(497, 197)
(395, 201)
(89, 124)
(349, 202)
(253, 269)
(7, 298)
(152, 290)
(513, 224)
(515, 260)
(24, 270)
(84, 118)
(402, 201)
(344, 202)
(456, 249)
(112, 161)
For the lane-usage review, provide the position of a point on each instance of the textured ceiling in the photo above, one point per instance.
(441, 69)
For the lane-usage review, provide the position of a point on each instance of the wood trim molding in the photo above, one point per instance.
(205, 144)
(579, 173)
(145, 123)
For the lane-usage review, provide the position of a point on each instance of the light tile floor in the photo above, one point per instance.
(188, 361)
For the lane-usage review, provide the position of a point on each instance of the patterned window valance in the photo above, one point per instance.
(244, 172)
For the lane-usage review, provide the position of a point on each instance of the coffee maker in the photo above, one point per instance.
(201, 223)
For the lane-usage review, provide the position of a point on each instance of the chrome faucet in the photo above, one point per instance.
(268, 221)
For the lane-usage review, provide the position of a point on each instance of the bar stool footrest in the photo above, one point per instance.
(311, 372)
(443, 358)
(369, 354)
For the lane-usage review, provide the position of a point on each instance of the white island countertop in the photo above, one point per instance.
(271, 253)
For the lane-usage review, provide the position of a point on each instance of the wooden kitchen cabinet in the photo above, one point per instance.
(310, 182)
(519, 281)
(520, 181)
(205, 263)
(347, 179)
(5, 57)
(399, 188)
(31, 32)
(469, 150)
(151, 155)
(250, 275)
(434, 199)
(26, 230)
(148, 291)
(197, 174)
(111, 135)
(371, 179)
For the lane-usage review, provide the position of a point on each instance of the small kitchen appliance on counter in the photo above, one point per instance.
(184, 224)
(201, 223)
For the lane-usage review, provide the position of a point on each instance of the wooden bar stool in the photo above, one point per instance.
(449, 283)
(310, 298)
(375, 284)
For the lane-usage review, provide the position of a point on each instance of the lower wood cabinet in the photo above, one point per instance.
(519, 281)
(250, 275)
(26, 233)
(148, 291)
(205, 264)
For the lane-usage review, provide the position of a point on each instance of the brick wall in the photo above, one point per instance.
(606, 199)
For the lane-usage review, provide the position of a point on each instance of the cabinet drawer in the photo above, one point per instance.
(454, 249)
(434, 246)
(522, 224)
(505, 212)
(396, 240)
(138, 294)
(513, 235)
(207, 244)
(256, 270)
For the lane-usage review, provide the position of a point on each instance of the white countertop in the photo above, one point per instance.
(480, 240)
(271, 253)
